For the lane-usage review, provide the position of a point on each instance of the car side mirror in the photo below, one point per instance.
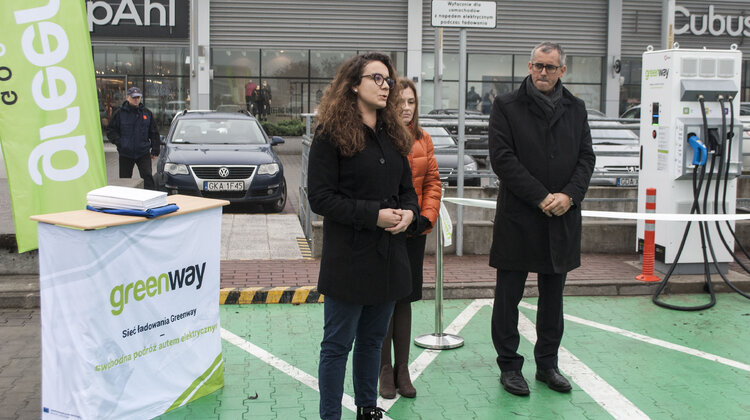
(276, 140)
(162, 140)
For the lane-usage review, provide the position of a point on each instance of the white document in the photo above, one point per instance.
(116, 197)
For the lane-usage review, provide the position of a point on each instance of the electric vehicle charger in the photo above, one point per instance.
(716, 147)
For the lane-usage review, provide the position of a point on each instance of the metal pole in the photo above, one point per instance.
(439, 340)
(438, 76)
(461, 139)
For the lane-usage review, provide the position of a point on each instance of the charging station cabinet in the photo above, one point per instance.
(673, 81)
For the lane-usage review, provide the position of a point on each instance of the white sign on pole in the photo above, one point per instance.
(464, 14)
(130, 317)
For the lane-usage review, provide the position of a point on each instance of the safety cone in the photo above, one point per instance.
(647, 270)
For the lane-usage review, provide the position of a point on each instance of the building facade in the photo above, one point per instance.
(295, 47)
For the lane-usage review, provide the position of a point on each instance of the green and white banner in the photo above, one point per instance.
(49, 115)
(130, 317)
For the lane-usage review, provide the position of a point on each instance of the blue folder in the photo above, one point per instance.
(155, 212)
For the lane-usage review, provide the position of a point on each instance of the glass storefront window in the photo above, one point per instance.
(165, 97)
(520, 68)
(326, 63)
(590, 94)
(481, 66)
(450, 66)
(284, 63)
(583, 70)
(448, 96)
(399, 62)
(118, 60)
(317, 89)
(166, 61)
(235, 62)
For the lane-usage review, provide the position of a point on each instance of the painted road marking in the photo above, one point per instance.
(651, 340)
(283, 366)
(594, 385)
(428, 356)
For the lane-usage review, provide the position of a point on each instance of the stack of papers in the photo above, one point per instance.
(114, 197)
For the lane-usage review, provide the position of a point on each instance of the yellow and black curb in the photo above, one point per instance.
(304, 248)
(248, 295)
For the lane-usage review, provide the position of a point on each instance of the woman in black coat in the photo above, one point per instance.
(359, 180)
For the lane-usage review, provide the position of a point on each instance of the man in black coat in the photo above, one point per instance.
(540, 148)
(133, 130)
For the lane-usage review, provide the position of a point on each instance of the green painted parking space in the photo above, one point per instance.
(627, 358)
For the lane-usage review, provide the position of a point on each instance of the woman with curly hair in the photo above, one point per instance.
(359, 181)
(426, 180)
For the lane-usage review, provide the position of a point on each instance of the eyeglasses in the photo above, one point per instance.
(379, 79)
(551, 68)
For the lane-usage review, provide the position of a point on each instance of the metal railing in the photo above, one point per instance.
(476, 126)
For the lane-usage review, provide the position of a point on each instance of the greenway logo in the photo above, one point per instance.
(53, 88)
(650, 74)
(155, 285)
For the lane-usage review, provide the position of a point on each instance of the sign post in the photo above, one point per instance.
(462, 14)
(456, 14)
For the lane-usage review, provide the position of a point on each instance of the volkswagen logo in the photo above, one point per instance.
(223, 172)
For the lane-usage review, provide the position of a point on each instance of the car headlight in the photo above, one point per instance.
(471, 166)
(175, 168)
(268, 169)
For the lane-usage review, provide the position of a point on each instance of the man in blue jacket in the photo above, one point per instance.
(133, 130)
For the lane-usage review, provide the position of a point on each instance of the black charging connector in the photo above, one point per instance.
(714, 139)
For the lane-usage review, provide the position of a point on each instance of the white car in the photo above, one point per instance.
(617, 150)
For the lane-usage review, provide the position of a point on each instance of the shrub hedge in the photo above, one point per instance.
(284, 128)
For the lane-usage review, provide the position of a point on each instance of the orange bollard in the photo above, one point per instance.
(647, 270)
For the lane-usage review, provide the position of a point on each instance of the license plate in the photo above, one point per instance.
(627, 182)
(223, 186)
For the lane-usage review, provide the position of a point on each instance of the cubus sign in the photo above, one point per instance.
(713, 23)
(49, 132)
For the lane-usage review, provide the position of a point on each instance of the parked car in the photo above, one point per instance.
(446, 155)
(617, 152)
(634, 112)
(173, 108)
(222, 155)
(477, 138)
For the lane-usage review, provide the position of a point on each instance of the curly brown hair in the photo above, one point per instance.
(339, 116)
(414, 127)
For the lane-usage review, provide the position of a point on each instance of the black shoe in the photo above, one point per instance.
(514, 382)
(554, 380)
(369, 413)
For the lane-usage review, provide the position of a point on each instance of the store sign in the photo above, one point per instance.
(138, 18)
(464, 14)
(713, 23)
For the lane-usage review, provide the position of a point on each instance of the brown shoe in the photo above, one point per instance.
(387, 384)
(403, 382)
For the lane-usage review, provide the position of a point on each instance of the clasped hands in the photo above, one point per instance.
(555, 204)
(394, 220)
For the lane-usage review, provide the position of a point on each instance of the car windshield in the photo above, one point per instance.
(440, 136)
(216, 131)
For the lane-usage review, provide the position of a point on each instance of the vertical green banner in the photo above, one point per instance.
(49, 115)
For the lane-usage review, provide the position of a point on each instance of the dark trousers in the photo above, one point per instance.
(549, 319)
(144, 169)
(343, 323)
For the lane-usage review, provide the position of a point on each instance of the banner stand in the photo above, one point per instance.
(130, 310)
(439, 340)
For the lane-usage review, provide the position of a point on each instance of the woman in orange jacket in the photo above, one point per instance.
(426, 180)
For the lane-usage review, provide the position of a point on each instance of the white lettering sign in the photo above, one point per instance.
(128, 11)
(56, 76)
(464, 14)
(715, 24)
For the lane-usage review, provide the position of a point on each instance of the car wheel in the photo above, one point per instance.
(278, 205)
